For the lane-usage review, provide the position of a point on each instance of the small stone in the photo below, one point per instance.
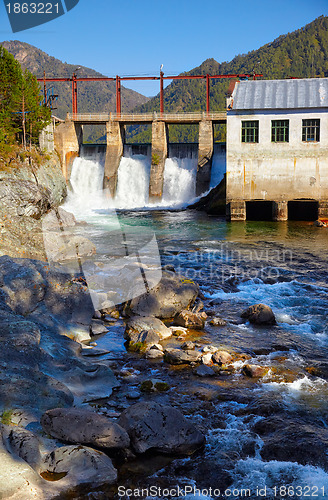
(188, 346)
(218, 322)
(154, 354)
(133, 395)
(209, 348)
(207, 358)
(97, 327)
(188, 319)
(97, 315)
(222, 357)
(178, 356)
(255, 371)
(204, 371)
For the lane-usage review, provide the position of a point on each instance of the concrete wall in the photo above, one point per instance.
(68, 137)
(114, 153)
(277, 171)
(158, 157)
(205, 152)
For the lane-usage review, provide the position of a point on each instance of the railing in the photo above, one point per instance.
(147, 117)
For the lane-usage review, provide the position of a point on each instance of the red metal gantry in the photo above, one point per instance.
(74, 79)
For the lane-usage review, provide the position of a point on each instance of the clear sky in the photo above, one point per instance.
(134, 37)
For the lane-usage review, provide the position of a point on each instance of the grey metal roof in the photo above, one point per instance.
(281, 94)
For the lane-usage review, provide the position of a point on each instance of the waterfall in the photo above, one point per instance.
(86, 194)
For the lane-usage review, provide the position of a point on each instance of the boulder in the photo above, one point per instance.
(24, 444)
(222, 357)
(97, 327)
(259, 314)
(179, 357)
(79, 465)
(77, 425)
(160, 428)
(151, 325)
(58, 218)
(207, 358)
(189, 319)
(24, 198)
(218, 322)
(188, 346)
(172, 295)
(62, 247)
(204, 371)
(254, 371)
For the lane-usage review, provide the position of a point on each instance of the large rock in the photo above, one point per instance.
(22, 284)
(79, 465)
(139, 324)
(173, 294)
(24, 444)
(58, 217)
(77, 425)
(160, 428)
(190, 319)
(259, 314)
(18, 481)
(222, 357)
(24, 198)
(180, 357)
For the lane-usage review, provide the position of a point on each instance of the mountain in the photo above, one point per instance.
(92, 96)
(302, 53)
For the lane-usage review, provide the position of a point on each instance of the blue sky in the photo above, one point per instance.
(134, 37)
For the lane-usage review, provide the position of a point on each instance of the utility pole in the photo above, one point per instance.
(23, 120)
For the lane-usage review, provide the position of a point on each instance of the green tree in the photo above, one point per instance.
(22, 115)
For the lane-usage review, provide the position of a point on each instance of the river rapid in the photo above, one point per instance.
(266, 437)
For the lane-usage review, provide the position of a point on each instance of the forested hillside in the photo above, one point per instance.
(92, 96)
(302, 53)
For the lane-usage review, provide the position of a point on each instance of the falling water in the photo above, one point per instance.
(133, 182)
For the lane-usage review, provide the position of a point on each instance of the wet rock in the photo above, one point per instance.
(210, 348)
(24, 444)
(97, 327)
(207, 358)
(154, 354)
(204, 371)
(153, 326)
(189, 319)
(77, 425)
(255, 371)
(178, 331)
(259, 314)
(320, 223)
(218, 322)
(65, 247)
(188, 346)
(97, 315)
(222, 357)
(94, 352)
(179, 357)
(172, 295)
(292, 440)
(154, 385)
(160, 428)
(79, 465)
(133, 395)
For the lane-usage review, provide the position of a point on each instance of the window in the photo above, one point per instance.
(311, 130)
(280, 131)
(250, 131)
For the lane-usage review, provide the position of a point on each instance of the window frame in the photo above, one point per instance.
(306, 130)
(279, 131)
(250, 131)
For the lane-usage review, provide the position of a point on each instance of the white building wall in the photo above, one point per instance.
(277, 171)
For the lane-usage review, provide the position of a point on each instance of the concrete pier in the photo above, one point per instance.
(158, 156)
(279, 211)
(205, 153)
(114, 153)
(323, 210)
(236, 210)
(68, 137)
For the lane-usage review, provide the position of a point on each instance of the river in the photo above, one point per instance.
(267, 437)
